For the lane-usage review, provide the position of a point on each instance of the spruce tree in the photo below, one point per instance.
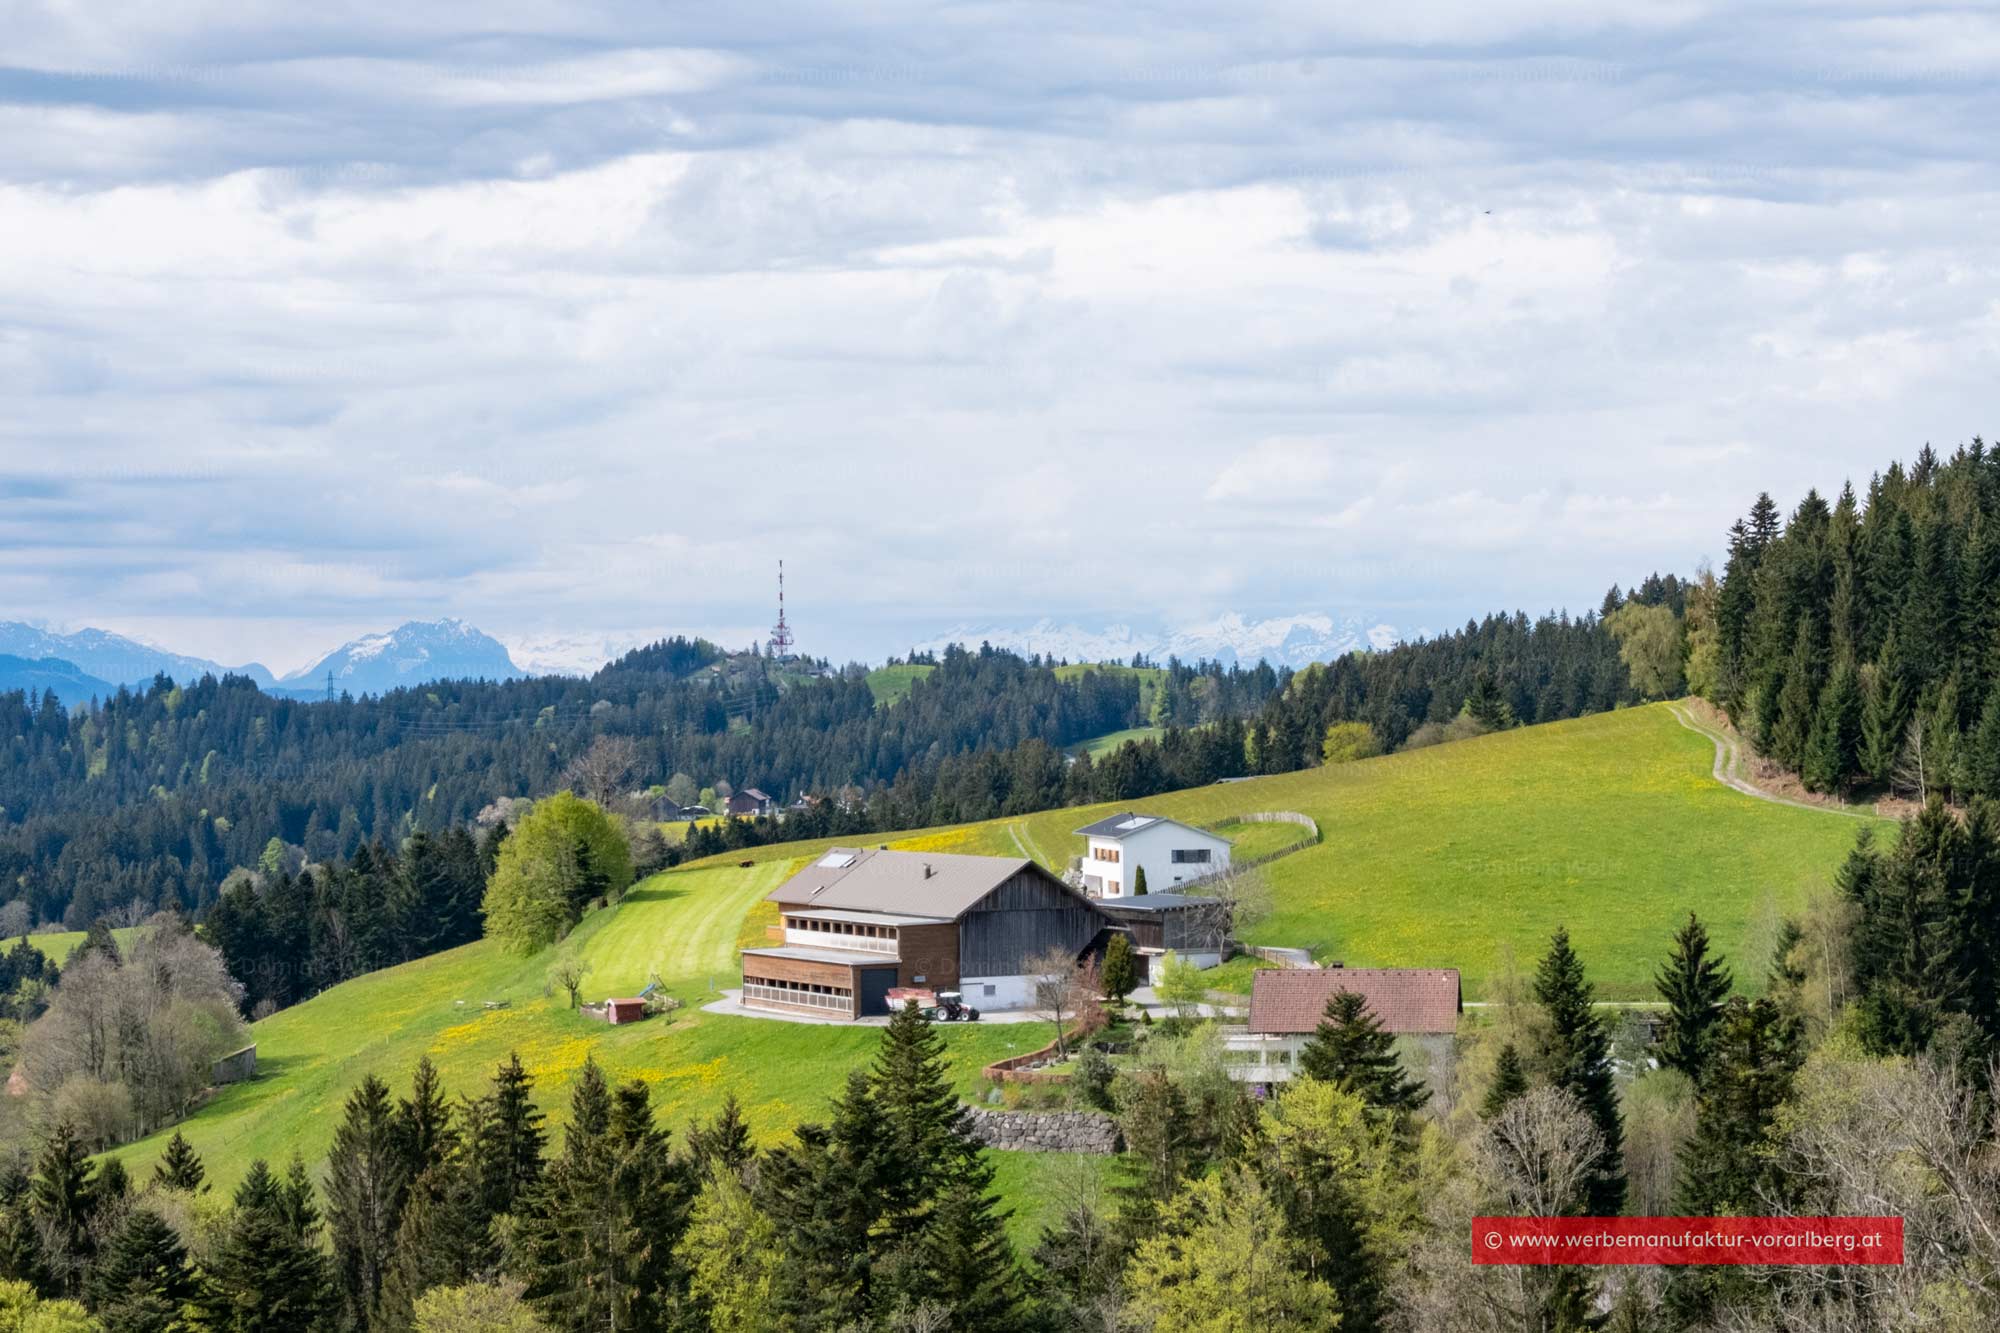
(1798, 700)
(367, 1177)
(425, 1135)
(62, 1201)
(1510, 1080)
(1982, 748)
(1351, 1050)
(142, 1280)
(1694, 985)
(20, 1243)
(1906, 944)
(1885, 717)
(1576, 1057)
(967, 1265)
(826, 1194)
(267, 1274)
(508, 1143)
(1833, 754)
(910, 1082)
(724, 1144)
(179, 1168)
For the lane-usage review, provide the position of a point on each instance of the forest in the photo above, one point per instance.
(1857, 643)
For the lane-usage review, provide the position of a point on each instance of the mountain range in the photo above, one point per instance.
(1231, 639)
(113, 657)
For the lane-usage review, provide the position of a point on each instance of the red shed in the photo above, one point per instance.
(624, 1011)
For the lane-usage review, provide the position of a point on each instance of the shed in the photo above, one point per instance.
(624, 1011)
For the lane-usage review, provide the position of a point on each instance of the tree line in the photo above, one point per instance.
(1857, 643)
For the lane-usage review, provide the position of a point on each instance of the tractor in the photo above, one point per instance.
(947, 1006)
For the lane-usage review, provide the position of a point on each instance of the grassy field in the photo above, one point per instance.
(1461, 855)
(1098, 746)
(1248, 842)
(684, 925)
(57, 946)
(889, 684)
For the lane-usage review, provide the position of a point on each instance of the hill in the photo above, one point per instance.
(66, 680)
(1456, 855)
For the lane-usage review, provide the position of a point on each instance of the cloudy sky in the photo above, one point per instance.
(571, 320)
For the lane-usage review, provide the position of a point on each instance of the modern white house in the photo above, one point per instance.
(1419, 1005)
(1172, 854)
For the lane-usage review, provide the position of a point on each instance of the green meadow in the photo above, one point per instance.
(1465, 855)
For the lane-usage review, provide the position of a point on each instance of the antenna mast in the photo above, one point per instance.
(781, 633)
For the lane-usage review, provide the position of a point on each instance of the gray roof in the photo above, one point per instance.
(933, 884)
(1124, 825)
(1150, 902)
(845, 957)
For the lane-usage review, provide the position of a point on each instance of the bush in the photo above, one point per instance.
(1090, 1086)
(99, 1112)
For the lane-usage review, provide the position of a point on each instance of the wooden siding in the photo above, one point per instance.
(1023, 916)
(930, 952)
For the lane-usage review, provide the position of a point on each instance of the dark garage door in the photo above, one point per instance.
(875, 984)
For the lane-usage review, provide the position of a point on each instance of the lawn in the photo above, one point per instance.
(1098, 746)
(57, 946)
(1249, 842)
(891, 684)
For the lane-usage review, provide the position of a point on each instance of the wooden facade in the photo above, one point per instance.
(1026, 914)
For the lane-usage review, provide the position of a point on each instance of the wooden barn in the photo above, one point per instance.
(857, 922)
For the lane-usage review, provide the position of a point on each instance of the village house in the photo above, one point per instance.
(1170, 852)
(857, 922)
(748, 803)
(1419, 1005)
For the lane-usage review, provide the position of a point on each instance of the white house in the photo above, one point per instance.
(1170, 852)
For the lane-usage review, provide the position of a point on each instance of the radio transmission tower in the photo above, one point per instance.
(781, 633)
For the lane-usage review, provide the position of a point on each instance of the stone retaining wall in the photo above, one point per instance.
(1045, 1131)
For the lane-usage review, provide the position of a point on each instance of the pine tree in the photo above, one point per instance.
(1833, 754)
(142, 1279)
(724, 1143)
(1982, 749)
(910, 1081)
(1510, 1080)
(1576, 1057)
(1351, 1050)
(1694, 986)
(1944, 743)
(1886, 717)
(63, 1203)
(267, 1274)
(1731, 1166)
(967, 1265)
(1906, 943)
(367, 1177)
(1798, 699)
(1158, 1128)
(425, 1135)
(179, 1168)
(508, 1146)
(826, 1195)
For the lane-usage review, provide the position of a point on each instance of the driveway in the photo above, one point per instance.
(732, 1003)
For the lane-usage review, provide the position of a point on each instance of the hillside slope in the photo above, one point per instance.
(1448, 856)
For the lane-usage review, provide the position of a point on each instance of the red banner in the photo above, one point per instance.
(1687, 1240)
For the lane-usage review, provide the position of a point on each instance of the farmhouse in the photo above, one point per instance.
(1169, 851)
(749, 802)
(1421, 1004)
(858, 922)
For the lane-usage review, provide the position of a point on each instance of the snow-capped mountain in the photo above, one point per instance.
(113, 657)
(573, 654)
(410, 654)
(1291, 641)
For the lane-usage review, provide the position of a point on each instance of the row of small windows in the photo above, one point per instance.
(799, 987)
(1102, 853)
(840, 928)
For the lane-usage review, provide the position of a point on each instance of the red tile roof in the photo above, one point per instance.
(1407, 1000)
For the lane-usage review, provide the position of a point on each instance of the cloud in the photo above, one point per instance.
(573, 320)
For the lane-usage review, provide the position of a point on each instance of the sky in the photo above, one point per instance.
(573, 320)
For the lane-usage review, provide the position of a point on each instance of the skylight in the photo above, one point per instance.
(837, 860)
(1136, 822)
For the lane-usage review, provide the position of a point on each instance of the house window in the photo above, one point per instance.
(990, 991)
(1102, 853)
(1196, 856)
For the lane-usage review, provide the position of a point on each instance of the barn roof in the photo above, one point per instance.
(932, 884)
(1407, 1000)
